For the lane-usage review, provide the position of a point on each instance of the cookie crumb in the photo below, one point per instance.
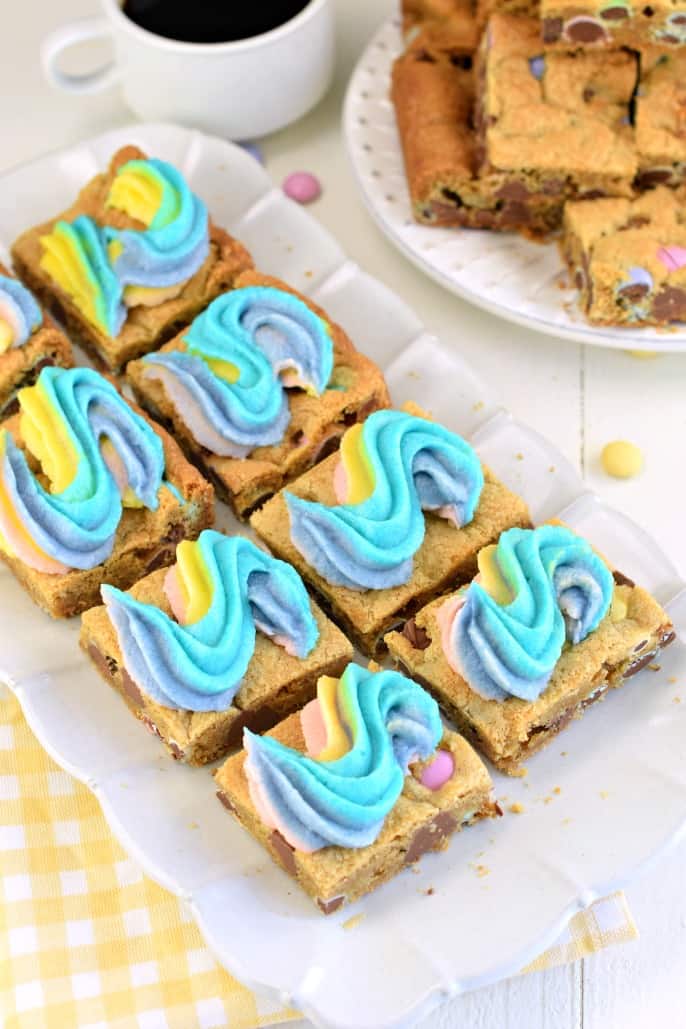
(519, 456)
(552, 468)
(354, 920)
(655, 668)
(481, 870)
(676, 700)
(672, 679)
(430, 891)
(557, 790)
(516, 808)
(478, 405)
(603, 794)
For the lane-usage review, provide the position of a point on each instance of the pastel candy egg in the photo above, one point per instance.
(672, 257)
(537, 66)
(303, 187)
(621, 459)
(439, 771)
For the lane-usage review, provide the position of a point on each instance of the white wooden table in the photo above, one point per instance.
(579, 397)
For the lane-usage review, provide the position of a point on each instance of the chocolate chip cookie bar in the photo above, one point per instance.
(553, 126)
(510, 699)
(448, 22)
(131, 261)
(660, 118)
(433, 94)
(372, 564)
(163, 687)
(225, 387)
(29, 341)
(430, 788)
(91, 491)
(628, 258)
(613, 23)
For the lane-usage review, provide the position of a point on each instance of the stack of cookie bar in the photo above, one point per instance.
(380, 529)
(515, 117)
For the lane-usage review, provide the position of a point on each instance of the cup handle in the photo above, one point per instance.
(67, 35)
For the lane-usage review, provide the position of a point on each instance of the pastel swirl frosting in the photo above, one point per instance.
(98, 456)
(228, 384)
(175, 242)
(392, 468)
(75, 255)
(20, 314)
(537, 588)
(376, 724)
(220, 590)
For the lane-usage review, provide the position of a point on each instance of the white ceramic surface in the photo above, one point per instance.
(505, 274)
(242, 89)
(622, 783)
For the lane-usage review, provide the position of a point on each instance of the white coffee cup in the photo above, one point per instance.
(241, 90)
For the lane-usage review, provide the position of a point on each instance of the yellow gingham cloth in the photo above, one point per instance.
(88, 942)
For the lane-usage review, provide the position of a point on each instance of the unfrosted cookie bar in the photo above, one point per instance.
(131, 261)
(569, 24)
(450, 22)
(338, 859)
(304, 384)
(433, 94)
(91, 491)
(553, 126)
(148, 645)
(374, 562)
(510, 674)
(29, 340)
(660, 118)
(628, 258)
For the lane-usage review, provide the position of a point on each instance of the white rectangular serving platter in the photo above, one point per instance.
(621, 779)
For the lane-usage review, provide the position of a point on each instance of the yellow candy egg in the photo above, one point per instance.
(621, 459)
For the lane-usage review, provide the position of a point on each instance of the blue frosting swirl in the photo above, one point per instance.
(77, 526)
(175, 244)
(391, 722)
(417, 465)
(25, 312)
(560, 588)
(259, 331)
(200, 667)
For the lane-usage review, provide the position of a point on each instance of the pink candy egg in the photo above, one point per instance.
(440, 770)
(303, 187)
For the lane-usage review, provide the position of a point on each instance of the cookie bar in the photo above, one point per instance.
(194, 672)
(131, 261)
(249, 440)
(374, 561)
(660, 118)
(569, 24)
(29, 341)
(91, 491)
(433, 94)
(429, 784)
(512, 698)
(628, 258)
(555, 126)
(448, 22)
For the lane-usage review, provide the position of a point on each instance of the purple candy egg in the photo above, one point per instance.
(303, 187)
(440, 770)
(537, 66)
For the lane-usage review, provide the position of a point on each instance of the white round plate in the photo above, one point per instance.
(504, 273)
(441, 929)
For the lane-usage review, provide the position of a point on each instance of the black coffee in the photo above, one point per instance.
(211, 21)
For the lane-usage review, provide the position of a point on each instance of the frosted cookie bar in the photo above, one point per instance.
(544, 631)
(258, 388)
(131, 261)
(227, 637)
(91, 491)
(357, 786)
